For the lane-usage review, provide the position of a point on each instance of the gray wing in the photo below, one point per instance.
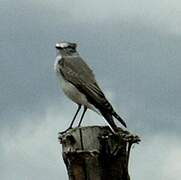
(77, 72)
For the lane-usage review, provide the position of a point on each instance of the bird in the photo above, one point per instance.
(78, 83)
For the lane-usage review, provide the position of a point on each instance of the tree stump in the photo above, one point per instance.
(95, 153)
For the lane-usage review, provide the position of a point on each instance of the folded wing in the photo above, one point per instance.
(77, 72)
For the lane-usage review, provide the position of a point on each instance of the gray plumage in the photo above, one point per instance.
(76, 74)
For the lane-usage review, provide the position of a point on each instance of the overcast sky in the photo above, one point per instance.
(134, 48)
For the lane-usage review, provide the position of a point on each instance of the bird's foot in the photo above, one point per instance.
(63, 132)
(129, 137)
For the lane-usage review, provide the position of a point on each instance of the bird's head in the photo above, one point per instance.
(66, 48)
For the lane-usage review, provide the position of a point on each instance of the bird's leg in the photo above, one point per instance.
(70, 127)
(85, 109)
(71, 124)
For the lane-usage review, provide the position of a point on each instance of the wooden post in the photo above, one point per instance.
(95, 153)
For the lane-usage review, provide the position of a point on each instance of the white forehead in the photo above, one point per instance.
(62, 45)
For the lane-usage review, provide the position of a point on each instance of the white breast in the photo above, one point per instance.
(58, 58)
(73, 93)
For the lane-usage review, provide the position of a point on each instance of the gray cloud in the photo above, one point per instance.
(157, 154)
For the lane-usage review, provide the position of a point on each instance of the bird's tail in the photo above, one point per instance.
(110, 121)
(119, 119)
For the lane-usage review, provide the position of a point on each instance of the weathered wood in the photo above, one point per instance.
(94, 153)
